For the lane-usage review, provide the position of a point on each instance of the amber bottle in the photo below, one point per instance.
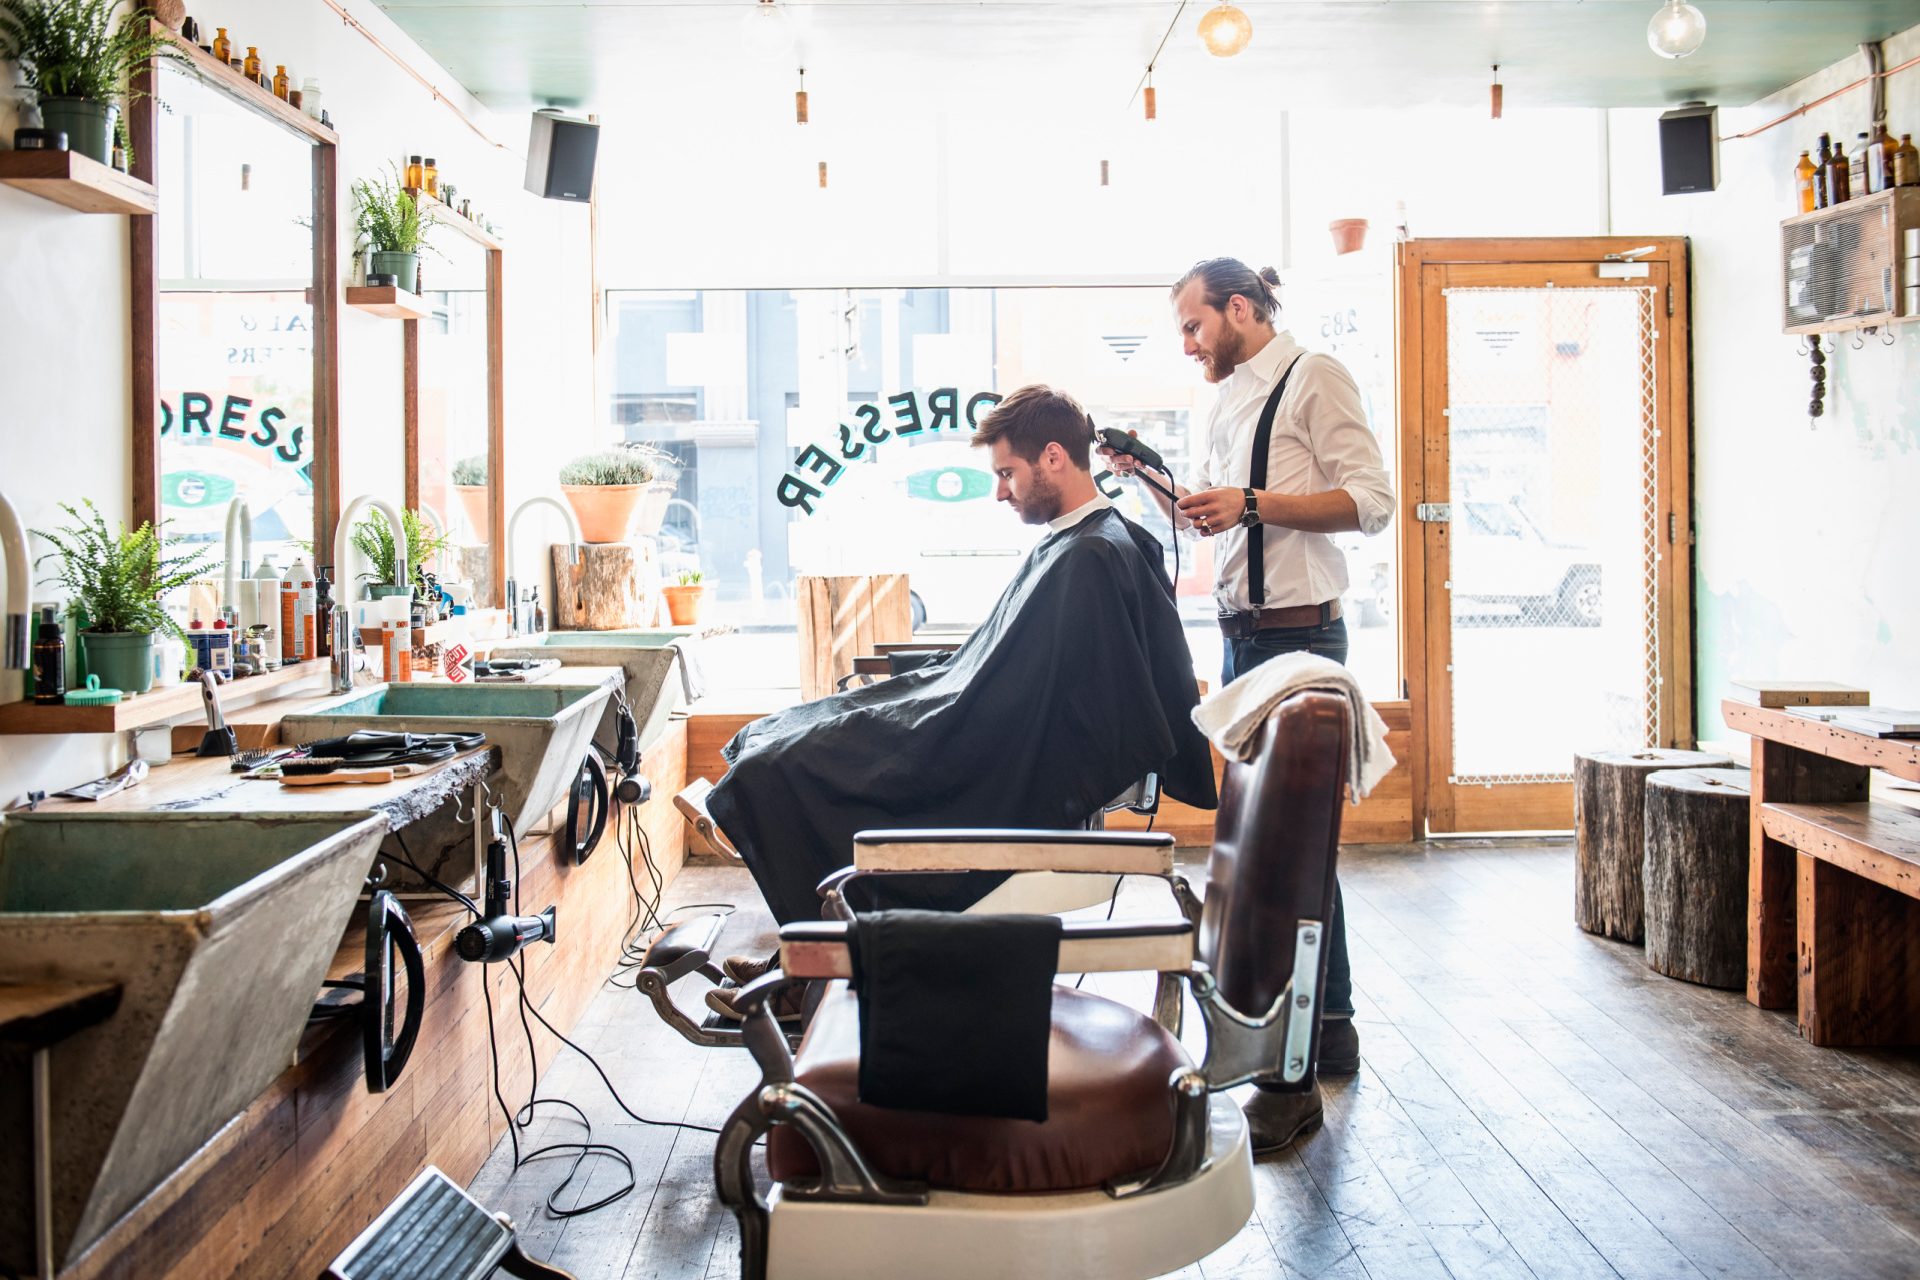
(430, 178)
(222, 47)
(1823, 174)
(1803, 179)
(1906, 163)
(1839, 181)
(252, 65)
(416, 174)
(280, 82)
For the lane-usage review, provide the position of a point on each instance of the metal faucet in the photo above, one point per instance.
(240, 528)
(342, 619)
(573, 550)
(16, 649)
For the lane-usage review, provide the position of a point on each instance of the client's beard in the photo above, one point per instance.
(1043, 502)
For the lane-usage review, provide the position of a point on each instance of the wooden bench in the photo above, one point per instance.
(1833, 891)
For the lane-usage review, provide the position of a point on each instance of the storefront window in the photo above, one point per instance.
(824, 431)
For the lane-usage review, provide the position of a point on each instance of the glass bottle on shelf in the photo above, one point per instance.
(280, 82)
(251, 67)
(431, 176)
(1823, 174)
(1883, 149)
(415, 174)
(310, 97)
(222, 47)
(1840, 185)
(1803, 177)
(1865, 171)
(1906, 163)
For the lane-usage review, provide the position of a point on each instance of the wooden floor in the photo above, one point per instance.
(1533, 1102)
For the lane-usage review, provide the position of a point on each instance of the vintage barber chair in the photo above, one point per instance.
(1140, 1168)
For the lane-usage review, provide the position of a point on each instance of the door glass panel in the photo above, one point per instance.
(1551, 541)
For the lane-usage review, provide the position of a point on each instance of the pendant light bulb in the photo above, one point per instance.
(1498, 96)
(766, 29)
(1151, 105)
(1677, 30)
(800, 99)
(1225, 30)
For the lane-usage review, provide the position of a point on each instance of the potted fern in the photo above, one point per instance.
(687, 598)
(616, 493)
(390, 222)
(374, 537)
(470, 482)
(77, 62)
(117, 584)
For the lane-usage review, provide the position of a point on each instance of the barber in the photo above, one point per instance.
(1289, 461)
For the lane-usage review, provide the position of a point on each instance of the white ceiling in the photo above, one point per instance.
(610, 54)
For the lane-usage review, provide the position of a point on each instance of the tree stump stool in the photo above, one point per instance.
(1609, 792)
(1695, 875)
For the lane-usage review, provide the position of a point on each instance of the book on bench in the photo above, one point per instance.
(1876, 722)
(1797, 693)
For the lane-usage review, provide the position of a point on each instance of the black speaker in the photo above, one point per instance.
(560, 157)
(1690, 150)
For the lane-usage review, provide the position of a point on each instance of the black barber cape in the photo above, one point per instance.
(1077, 685)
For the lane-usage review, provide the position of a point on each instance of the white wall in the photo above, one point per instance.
(1804, 526)
(64, 342)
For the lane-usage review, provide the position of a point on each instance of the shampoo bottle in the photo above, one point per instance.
(296, 612)
(49, 661)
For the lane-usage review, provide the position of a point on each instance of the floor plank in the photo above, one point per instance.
(1533, 1102)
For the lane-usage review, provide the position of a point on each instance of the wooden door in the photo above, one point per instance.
(1545, 517)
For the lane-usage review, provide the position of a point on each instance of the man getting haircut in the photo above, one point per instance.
(1078, 684)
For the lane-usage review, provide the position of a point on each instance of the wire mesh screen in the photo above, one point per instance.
(1553, 531)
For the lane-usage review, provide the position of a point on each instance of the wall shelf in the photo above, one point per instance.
(218, 75)
(447, 216)
(144, 709)
(1844, 267)
(76, 181)
(388, 301)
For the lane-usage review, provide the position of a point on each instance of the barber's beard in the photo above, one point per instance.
(1227, 355)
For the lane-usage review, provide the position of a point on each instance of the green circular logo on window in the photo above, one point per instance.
(949, 484)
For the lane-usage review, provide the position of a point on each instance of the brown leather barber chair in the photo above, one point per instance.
(1140, 1168)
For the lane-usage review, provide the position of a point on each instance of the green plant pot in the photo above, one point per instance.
(88, 126)
(386, 590)
(122, 659)
(403, 266)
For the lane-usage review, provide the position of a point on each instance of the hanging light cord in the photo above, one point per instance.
(1805, 107)
(1148, 73)
(432, 88)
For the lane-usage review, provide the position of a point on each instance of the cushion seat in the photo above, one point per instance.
(1109, 1107)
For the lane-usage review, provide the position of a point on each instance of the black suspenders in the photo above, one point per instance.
(1257, 478)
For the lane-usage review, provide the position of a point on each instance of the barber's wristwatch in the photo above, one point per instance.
(1251, 516)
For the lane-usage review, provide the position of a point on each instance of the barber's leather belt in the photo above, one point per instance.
(1238, 626)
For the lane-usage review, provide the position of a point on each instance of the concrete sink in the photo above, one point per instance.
(646, 660)
(219, 930)
(542, 730)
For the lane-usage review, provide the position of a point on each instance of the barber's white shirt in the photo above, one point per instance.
(1321, 441)
(1079, 513)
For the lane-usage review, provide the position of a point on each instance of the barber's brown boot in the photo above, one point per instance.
(1339, 1047)
(787, 1005)
(1276, 1119)
(745, 969)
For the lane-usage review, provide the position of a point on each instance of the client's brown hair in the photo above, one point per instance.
(1034, 417)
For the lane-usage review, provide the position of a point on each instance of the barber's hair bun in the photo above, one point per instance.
(1271, 276)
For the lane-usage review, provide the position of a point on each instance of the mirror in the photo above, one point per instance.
(235, 259)
(455, 472)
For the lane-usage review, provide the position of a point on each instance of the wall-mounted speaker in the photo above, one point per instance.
(560, 157)
(1690, 150)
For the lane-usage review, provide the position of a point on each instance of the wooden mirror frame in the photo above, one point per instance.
(496, 387)
(325, 293)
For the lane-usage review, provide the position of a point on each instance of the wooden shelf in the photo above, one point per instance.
(144, 709)
(218, 75)
(447, 216)
(388, 301)
(76, 181)
(1897, 756)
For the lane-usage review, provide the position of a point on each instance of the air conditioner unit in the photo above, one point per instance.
(1849, 267)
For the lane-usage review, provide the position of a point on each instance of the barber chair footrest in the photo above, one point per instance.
(963, 1235)
(436, 1231)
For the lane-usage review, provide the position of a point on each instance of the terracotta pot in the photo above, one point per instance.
(473, 498)
(685, 603)
(605, 511)
(1348, 234)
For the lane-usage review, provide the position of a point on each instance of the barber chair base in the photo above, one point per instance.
(1045, 893)
(1079, 1235)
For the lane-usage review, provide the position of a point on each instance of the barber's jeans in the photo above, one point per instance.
(1329, 641)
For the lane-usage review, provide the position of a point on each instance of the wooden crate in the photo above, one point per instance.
(842, 618)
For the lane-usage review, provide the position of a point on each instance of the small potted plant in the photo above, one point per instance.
(117, 584)
(77, 61)
(611, 491)
(391, 223)
(687, 598)
(375, 540)
(470, 482)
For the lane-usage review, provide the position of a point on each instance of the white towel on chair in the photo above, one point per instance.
(1233, 717)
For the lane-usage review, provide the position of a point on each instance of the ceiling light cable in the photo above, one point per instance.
(1146, 80)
